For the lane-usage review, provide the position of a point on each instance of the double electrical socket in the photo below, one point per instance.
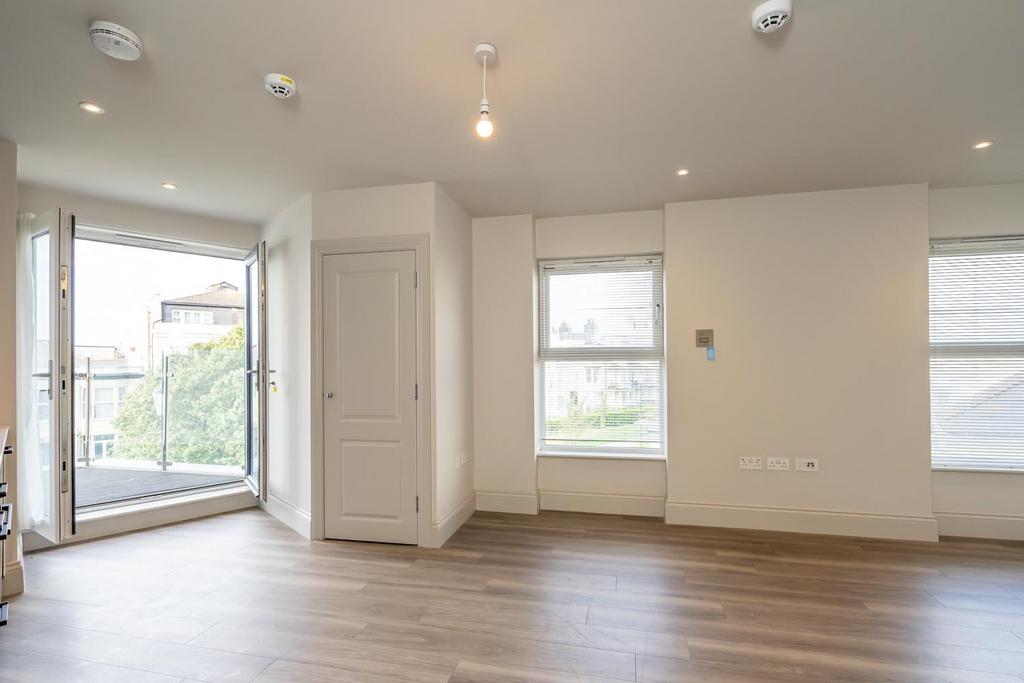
(779, 464)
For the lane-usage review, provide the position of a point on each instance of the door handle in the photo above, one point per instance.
(329, 394)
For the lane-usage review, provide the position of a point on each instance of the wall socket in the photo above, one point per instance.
(807, 465)
(750, 463)
(778, 464)
(462, 459)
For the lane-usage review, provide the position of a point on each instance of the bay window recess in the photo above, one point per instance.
(976, 330)
(602, 356)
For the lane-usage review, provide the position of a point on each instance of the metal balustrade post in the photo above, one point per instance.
(166, 402)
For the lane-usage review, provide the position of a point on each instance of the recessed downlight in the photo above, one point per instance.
(91, 107)
(683, 171)
(982, 144)
(169, 186)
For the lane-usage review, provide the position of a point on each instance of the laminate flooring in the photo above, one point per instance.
(551, 598)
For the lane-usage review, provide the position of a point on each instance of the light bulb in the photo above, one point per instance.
(484, 127)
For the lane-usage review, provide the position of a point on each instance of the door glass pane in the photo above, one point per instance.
(39, 432)
(159, 397)
(251, 366)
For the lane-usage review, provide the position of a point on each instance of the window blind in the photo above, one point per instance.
(602, 355)
(976, 330)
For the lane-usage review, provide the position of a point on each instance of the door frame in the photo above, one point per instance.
(420, 245)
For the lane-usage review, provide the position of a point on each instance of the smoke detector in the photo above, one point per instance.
(769, 17)
(280, 86)
(115, 41)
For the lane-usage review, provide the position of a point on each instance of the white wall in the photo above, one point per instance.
(819, 306)
(8, 401)
(452, 280)
(136, 218)
(977, 503)
(288, 346)
(425, 209)
(504, 275)
(984, 211)
(603, 485)
(608, 234)
(634, 487)
(366, 212)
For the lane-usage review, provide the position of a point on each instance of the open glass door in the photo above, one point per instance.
(45, 391)
(256, 372)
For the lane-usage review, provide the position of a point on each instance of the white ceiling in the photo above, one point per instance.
(596, 102)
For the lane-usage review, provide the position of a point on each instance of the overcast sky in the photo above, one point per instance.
(115, 285)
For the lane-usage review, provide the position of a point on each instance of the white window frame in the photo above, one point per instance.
(963, 247)
(600, 354)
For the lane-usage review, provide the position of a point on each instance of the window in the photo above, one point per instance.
(602, 355)
(103, 406)
(976, 321)
(102, 446)
(192, 317)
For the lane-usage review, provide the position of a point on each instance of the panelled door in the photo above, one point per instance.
(369, 383)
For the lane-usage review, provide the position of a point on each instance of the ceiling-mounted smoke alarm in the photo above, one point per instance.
(279, 85)
(770, 16)
(115, 41)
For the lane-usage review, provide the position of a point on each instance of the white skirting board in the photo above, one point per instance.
(442, 530)
(603, 503)
(804, 521)
(981, 526)
(499, 501)
(289, 515)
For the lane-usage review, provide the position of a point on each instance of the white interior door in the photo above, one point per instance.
(369, 384)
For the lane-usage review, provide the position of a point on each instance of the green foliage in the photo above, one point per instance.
(581, 428)
(233, 340)
(206, 422)
(599, 418)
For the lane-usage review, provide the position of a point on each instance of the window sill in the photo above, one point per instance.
(655, 457)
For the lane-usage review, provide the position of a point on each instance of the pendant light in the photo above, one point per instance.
(485, 52)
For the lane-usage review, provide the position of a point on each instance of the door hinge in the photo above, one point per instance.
(415, 279)
(417, 503)
(415, 392)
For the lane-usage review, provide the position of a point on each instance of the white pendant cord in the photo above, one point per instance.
(484, 101)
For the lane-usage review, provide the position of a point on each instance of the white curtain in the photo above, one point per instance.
(32, 500)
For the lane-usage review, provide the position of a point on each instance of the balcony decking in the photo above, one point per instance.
(100, 485)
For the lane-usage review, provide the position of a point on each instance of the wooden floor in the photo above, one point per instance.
(98, 485)
(559, 597)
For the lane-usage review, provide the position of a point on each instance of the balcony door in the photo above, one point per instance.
(256, 372)
(44, 382)
(142, 370)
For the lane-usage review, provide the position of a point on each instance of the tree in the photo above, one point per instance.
(206, 407)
